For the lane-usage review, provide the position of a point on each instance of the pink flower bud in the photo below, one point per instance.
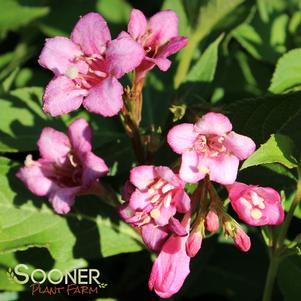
(242, 240)
(194, 243)
(212, 221)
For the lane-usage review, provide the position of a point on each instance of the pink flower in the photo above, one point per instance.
(171, 267)
(159, 37)
(209, 147)
(212, 221)
(157, 195)
(67, 166)
(242, 240)
(194, 243)
(255, 205)
(87, 67)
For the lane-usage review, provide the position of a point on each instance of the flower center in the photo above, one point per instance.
(255, 203)
(212, 145)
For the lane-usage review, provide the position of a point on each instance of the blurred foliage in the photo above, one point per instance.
(243, 59)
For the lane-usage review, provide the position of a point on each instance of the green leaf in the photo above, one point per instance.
(15, 15)
(288, 72)
(261, 117)
(204, 68)
(91, 229)
(289, 276)
(287, 202)
(278, 149)
(22, 120)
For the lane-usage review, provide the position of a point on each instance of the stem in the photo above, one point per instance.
(271, 276)
(277, 245)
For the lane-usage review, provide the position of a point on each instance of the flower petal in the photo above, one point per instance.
(189, 170)
(153, 236)
(93, 168)
(105, 98)
(123, 55)
(80, 135)
(35, 180)
(241, 146)
(53, 145)
(174, 45)
(142, 176)
(176, 227)
(59, 53)
(140, 201)
(182, 201)
(163, 26)
(168, 175)
(91, 33)
(62, 199)
(223, 168)
(61, 96)
(162, 63)
(213, 123)
(137, 24)
(181, 137)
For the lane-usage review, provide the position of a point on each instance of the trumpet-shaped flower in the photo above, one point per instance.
(255, 205)
(209, 147)
(67, 166)
(155, 195)
(87, 67)
(159, 37)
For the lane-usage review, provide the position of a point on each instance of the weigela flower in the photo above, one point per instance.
(159, 37)
(171, 267)
(87, 67)
(67, 166)
(209, 147)
(194, 243)
(255, 205)
(212, 221)
(157, 194)
(242, 240)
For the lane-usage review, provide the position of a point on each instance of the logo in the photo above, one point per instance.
(76, 282)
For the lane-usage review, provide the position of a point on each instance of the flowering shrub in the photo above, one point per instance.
(176, 166)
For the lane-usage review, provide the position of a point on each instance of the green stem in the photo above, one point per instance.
(271, 276)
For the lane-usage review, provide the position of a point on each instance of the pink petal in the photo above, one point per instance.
(168, 175)
(176, 227)
(80, 135)
(128, 215)
(35, 180)
(105, 98)
(142, 176)
(194, 243)
(163, 26)
(91, 33)
(181, 137)
(189, 170)
(173, 46)
(140, 200)
(62, 199)
(241, 146)
(61, 96)
(123, 55)
(170, 268)
(182, 201)
(162, 63)
(242, 240)
(223, 168)
(153, 236)
(127, 190)
(137, 24)
(213, 123)
(53, 145)
(165, 215)
(59, 53)
(93, 168)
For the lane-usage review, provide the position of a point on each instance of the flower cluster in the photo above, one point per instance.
(210, 152)
(87, 69)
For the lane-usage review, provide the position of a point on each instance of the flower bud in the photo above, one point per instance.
(242, 240)
(194, 243)
(212, 221)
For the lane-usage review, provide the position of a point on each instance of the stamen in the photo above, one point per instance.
(256, 213)
(72, 72)
(155, 213)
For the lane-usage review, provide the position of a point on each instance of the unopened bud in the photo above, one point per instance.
(212, 221)
(242, 240)
(194, 243)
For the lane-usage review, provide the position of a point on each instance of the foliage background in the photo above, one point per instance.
(243, 59)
